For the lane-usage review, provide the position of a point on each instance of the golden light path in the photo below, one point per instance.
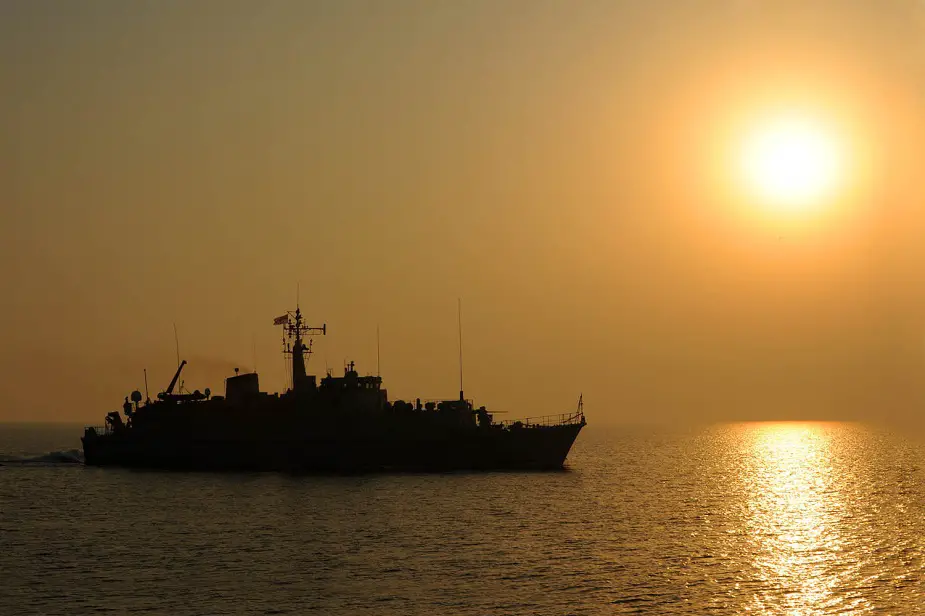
(795, 500)
(792, 163)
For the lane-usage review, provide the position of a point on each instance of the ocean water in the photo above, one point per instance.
(729, 519)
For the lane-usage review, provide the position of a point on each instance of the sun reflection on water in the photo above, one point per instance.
(795, 502)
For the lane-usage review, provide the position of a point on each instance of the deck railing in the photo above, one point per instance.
(424, 401)
(561, 419)
(100, 430)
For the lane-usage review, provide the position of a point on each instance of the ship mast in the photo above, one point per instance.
(296, 331)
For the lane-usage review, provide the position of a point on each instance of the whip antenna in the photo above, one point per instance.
(176, 340)
(459, 319)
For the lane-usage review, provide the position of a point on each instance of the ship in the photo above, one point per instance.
(343, 424)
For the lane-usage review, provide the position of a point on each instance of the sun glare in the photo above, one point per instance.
(797, 499)
(792, 164)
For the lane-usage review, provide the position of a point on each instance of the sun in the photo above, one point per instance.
(792, 163)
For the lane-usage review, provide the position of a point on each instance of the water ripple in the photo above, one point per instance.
(735, 519)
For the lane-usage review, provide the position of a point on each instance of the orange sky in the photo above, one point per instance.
(559, 166)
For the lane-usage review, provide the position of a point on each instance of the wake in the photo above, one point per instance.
(69, 456)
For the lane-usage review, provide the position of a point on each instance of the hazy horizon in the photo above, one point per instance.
(561, 167)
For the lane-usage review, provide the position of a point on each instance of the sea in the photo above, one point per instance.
(750, 518)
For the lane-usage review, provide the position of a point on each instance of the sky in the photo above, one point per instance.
(566, 169)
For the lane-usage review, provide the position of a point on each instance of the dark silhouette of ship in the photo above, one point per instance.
(340, 424)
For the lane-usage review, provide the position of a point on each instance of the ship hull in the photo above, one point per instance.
(527, 448)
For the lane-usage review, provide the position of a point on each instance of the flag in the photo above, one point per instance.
(281, 320)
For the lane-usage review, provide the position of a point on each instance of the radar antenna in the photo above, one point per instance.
(295, 330)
